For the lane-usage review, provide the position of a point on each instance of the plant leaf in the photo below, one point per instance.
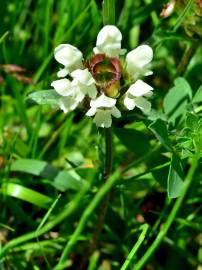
(176, 100)
(175, 178)
(192, 121)
(198, 96)
(26, 194)
(61, 180)
(159, 129)
(134, 140)
(50, 97)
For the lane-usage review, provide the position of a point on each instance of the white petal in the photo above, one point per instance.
(140, 56)
(96, 50)
(91, 112)
(68, 104)
(143, 104)
(62, 87)
(62, 73)
(103, 101)
(109, 41)
(78, 94)
(115, 112)
(137, 59)
(69, 56)
(147, 72)
(103, 119)
(109, 33)
(129, 103)
(139, 88)
(83, 76)
(86, 83)
(91, 91)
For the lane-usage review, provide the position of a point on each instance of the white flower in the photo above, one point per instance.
(134, 97)
(73, 92)
(63, 87)
(137, 61)
(85, 82)
(103, 108)
(68, 104)
(109, 41)
(69, 94)
(70, 57)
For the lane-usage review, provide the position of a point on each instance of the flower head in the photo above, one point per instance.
(98, 84)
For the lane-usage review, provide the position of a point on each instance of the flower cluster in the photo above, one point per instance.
(100, 83)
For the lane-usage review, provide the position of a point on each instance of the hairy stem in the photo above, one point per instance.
(93, 245)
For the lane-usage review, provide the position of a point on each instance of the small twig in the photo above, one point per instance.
(188, 54)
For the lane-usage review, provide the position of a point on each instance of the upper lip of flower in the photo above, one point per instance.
(109, 41)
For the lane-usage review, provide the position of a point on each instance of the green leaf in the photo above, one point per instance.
(161, 176)
(134, 140)
(198, 96)
(175, 178)
(68, 180)
(159, 129)
(177, 98)
(192, 121)
(50, 97)
(154, 115)
(26, 194)
(61, 180)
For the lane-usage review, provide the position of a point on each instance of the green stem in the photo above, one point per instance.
(84, 218)
(188, 54)
(108, 152)
(171, 217)
(108, 12)
(104, 204)
(135, 248)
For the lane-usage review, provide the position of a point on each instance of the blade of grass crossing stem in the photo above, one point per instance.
(65, 134)
(135, 248)
(68, 210)
(171, 216)
(34, 136)
(48, 214)
(4, 36)
(44, 219)
(48, 10)
(93, 261)
(52, 139)
(183, 15)
(20, 106)
(84, 218)
(109, 12)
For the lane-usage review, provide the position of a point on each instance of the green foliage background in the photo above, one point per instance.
(51, 163)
